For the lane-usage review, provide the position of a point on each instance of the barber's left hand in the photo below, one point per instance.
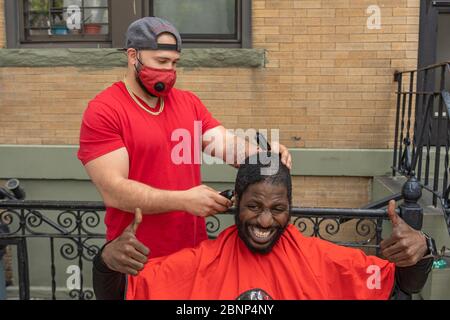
(406, 246)
(286, 157)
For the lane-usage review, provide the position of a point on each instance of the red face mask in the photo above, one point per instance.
(158, 82)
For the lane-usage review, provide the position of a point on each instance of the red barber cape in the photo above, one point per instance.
(298, 267)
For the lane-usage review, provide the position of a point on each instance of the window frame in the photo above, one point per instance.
(106, 38)
(16, 38)
(242, 38)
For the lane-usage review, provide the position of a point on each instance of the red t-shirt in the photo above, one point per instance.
(112, 121)
(297, 268)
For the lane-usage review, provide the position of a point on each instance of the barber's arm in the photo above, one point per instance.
(408, 249)
(110, 174)
(122, 256)
(222, 143)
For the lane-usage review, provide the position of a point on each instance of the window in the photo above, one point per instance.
(58, 23)
(217, 23)
(65, 20)
(103, 23)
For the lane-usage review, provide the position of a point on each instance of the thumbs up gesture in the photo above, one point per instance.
(126, 254)
(406, 246)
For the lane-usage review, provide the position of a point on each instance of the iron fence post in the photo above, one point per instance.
(410, 210)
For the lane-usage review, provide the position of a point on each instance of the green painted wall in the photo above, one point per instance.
(60, 162)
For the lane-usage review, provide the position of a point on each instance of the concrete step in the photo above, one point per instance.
(433, 220)
(433, 224)
(390, 185)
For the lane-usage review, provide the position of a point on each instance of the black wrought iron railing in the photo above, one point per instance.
(72, 228)
(422, 131)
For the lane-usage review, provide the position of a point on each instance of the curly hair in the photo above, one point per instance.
(251, 172)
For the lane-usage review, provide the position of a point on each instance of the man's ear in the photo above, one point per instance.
(132, 56)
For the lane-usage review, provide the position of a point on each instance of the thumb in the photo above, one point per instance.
(393, 216)
(137, 221)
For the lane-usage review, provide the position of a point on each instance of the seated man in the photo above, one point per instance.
(263, 256)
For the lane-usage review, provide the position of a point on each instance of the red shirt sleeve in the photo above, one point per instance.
(203, 115)
(100, 132)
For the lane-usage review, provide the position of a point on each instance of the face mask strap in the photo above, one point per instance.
(139, 62)
(138, 79)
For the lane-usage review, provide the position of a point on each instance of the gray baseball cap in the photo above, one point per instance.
(143, 33)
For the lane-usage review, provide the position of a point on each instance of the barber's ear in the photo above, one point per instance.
(132, 56)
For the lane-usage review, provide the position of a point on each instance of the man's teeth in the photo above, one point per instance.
(260, 233)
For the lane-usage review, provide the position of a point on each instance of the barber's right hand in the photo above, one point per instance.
(126, 254)
(205, 201)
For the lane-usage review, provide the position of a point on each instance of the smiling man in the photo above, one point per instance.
(265, 257)
(264, 202)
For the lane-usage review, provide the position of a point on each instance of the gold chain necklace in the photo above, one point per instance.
(161, 108)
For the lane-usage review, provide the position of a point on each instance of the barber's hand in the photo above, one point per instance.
(286, 157)
(126, 254)
(406, 246)
(204, 201)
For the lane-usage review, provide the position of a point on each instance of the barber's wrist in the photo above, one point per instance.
(178, 199)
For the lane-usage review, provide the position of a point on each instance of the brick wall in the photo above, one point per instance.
(336, 73)
(45, 105)
(337, 192)
(2, 24)
(328, 82)
(341, 192)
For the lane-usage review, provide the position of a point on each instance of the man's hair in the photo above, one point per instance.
(250, 172)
